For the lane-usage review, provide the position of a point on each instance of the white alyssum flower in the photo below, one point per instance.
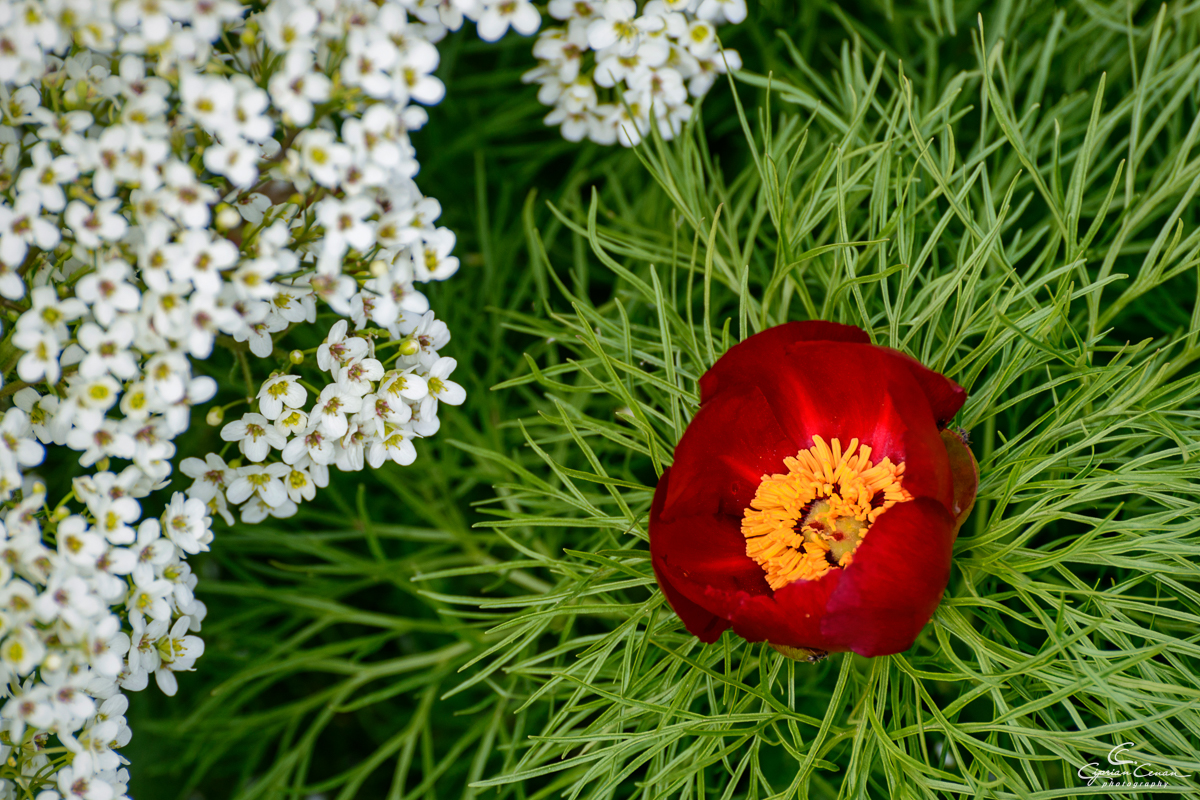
(254, 435)
(263, 481)
(280, 392)
(653, 60)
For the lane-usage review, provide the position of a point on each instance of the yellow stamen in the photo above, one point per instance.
(803, 524)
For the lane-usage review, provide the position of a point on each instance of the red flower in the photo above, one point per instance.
(815, 497)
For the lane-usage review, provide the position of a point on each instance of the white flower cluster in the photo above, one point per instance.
(367, 414)
(182, 181)
(65, 657)
(608, 70)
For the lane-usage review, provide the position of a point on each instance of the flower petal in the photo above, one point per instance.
(701, 550)
(890, 591)
(703, 624)
(944, 395)
(729, 445)
(855, 391)
(792, 617)
(702, 567)
(712, 587)
(965, 472)
(745, 363)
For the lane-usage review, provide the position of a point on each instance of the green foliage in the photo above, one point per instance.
(1010, 199)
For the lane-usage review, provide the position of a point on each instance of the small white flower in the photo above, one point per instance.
(178, 653)
(440, 387)
(337, 349)
(186, 199)
(498, 16)
(255, 436)
(296, 86)
(108, 350)
(79, 544)
(291, 421)
(106, 440)
(20, 227)
(40, 361)
(345, 227)
(252, 206)
(368, 61)
(395, 444)
(209, 476)
(331, 408)
(94, 226)
(21, 652)
(151, 549)
(378, 411)
(701, 38)
(250, 120)
(200, 257)
(432, 261)
(68, 598)
(187, 524)
(300, 485)
(355, 378)
(236, 160)
(167, 375)
(42, 182)
(15, 441)
(350, 452)
(722, 11)
(322, 156)
(265, 482)
(149, 595)
(107, 291)
(414, 80)
(289, 27)
(312, 444)
(208, 100)
(49, 313)
(280, 391)
(404, 385)
(615, 28)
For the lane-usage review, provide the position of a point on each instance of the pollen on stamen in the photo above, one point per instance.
(812, 519)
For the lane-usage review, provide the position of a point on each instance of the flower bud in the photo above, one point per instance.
(227, 217)
(296, 357)
(409, 346)
(216, 416)
(379, 268)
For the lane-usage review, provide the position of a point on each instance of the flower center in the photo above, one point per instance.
(803, 524)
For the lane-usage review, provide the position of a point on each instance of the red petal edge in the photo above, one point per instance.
(944, 395)
(729, 445)
(704, 625)
(854, 391)
(742, 363)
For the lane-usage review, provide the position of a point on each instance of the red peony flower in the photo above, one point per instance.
(815, 497)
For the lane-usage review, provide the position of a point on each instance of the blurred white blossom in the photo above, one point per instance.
(609, 70)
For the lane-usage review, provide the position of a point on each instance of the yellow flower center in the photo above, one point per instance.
(803, 524)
